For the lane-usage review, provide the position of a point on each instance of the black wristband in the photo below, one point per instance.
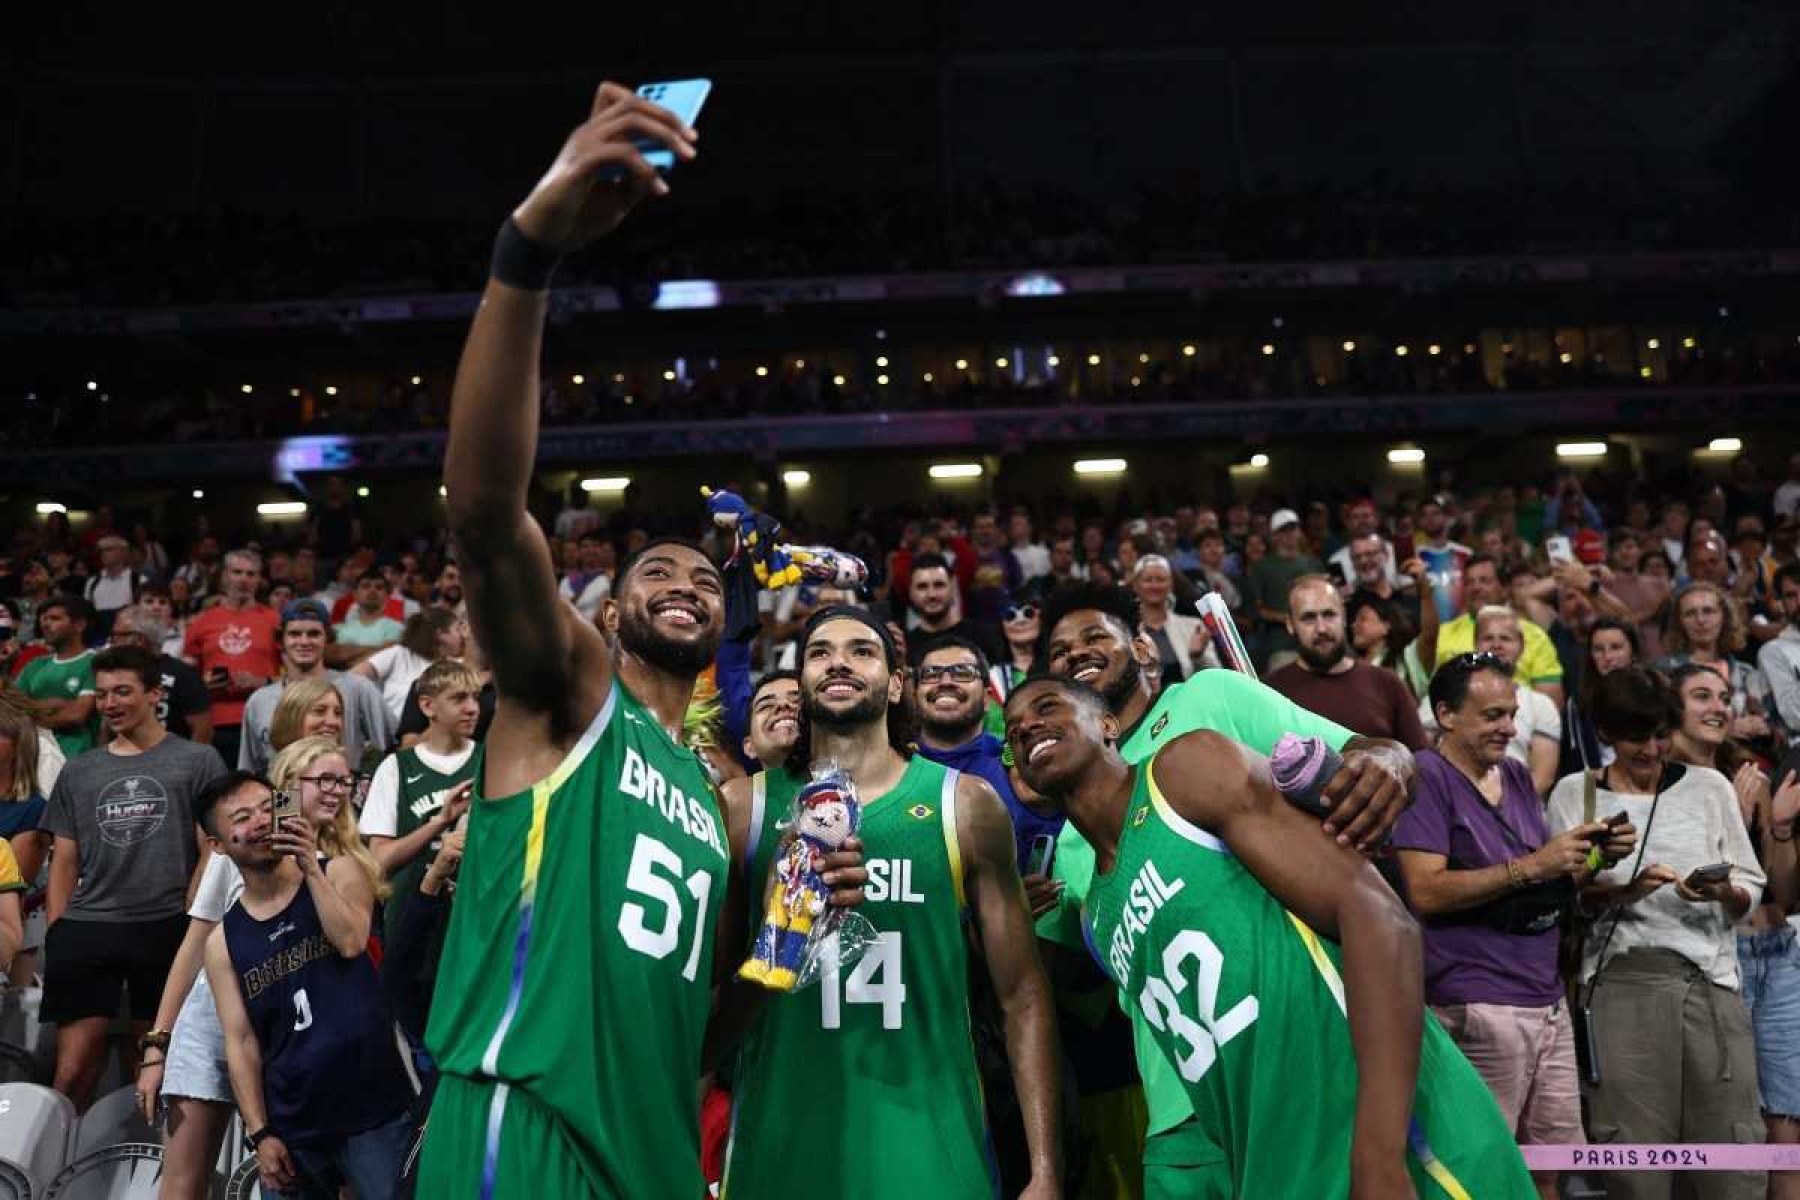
(520, 262)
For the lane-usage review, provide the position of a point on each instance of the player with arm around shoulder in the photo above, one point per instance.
(1279, 973)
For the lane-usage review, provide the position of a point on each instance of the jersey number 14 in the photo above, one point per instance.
(875, 979)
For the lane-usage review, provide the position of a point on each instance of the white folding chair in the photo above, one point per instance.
(132, 1171)
(114, 1120)
(37, 1132)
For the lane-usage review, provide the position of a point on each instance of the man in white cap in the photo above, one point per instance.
(1270, 580)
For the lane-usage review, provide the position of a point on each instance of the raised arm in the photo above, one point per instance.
(996, 900)
(340, 890)
(1219, 785)
(1415, 569)
(530, 635)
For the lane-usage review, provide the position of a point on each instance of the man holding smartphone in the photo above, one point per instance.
(575, 996)
(314, 1064)
(1490, 885)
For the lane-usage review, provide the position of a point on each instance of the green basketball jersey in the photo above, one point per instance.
(865, 1083)
(1247, 1004)
(1250, 713)
(578, 966)
(422, 792)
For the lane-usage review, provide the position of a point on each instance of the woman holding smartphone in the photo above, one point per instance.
(1660, 980)
(191, 1075)
(1767, 945)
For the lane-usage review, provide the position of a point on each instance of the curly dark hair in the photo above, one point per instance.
(1116, 602)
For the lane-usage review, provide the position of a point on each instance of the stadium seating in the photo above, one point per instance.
(37, 1127)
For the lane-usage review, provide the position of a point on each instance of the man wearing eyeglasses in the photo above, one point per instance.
(950, 696)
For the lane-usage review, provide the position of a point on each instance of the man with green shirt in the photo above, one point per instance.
(64, 680)
(1089, 637)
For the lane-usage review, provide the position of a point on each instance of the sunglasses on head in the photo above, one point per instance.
(1481, 658)
(1019, 612)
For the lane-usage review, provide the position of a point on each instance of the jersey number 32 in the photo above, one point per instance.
(1199, 1041)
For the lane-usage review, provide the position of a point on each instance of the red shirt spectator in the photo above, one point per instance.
(237, 637)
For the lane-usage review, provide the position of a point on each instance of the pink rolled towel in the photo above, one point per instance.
(1301, 767)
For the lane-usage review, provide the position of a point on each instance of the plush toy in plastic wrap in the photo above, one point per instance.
(778, 564)
(800, 930)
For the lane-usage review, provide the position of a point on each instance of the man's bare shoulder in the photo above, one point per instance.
(1204, 776)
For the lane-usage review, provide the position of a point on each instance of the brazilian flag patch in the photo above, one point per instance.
(1138, 817)
(920, 812)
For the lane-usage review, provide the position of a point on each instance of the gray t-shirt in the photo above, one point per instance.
(366, 721)
(132, 818)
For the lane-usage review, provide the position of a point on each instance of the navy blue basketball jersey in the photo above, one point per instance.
(330, 1050)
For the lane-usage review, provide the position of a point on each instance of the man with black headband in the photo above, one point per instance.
(574, 996)
(883, 1052)
(1089, 637)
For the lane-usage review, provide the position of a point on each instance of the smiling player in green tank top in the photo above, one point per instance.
(866, 1083)
(1280, 975)
(1087, 634)
(578, 972)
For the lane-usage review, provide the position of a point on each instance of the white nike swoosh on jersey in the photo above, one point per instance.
(414, 778)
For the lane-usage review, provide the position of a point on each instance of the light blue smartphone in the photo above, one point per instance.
(684, 98)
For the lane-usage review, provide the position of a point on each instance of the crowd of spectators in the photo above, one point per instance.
(1554, 655)
(157, 408)
(223, 257)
